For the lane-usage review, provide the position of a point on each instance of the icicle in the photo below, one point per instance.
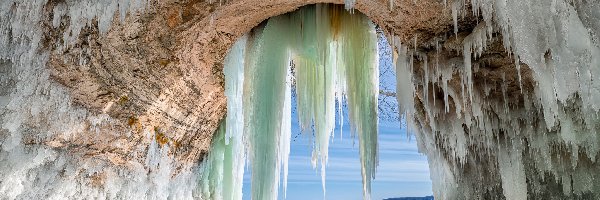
(360, 56)
(446, 76)
(504, 95)
(339, 83)
(214, 167)
(234, 136)
(327, 57)
(264, 95)
(405, 90)
(286, 128)
(518, 66)
(223, 170)
(234, 82)
(475, 43)
(425, 78)
(467, 79)
(512, 172)
(456, 5)
(315, 81)
(349, 4)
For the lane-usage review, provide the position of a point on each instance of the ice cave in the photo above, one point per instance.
(177, 99)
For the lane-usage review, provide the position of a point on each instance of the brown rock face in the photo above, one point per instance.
(159, 72)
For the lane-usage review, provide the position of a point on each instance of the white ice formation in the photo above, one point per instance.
(33, 109)
(489, 138)
(334, 58)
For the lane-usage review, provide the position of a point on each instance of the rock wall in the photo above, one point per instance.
(159, 71)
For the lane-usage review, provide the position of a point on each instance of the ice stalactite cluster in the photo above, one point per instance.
(36, 114)
(330, 56)
(349, 4)
(520, 127)
(82, 13)
(264, 95)
(223, 169)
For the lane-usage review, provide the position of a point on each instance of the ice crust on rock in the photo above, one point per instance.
(33, 109)
(520, 143)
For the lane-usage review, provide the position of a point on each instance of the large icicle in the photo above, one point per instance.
(286, 129)
(405, 91)
(215, 166)
(359, 44)
(234, 136)
(264, 92)
(315, 81)
(223, 169)
(338, 48)
(234, 86)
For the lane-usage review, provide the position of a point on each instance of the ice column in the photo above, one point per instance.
(264, 94)
(335, 57)
(315, 80)
(214, 166)
(359, 45)
(223, 170)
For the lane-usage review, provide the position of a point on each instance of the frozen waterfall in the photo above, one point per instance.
(333, 58)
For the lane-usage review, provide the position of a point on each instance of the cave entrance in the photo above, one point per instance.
(299, 79)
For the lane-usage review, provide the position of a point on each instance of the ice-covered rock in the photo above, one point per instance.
(107, 99)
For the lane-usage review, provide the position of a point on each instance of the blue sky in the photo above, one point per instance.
(402, 170)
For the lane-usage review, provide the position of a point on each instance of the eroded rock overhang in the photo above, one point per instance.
(160, 70)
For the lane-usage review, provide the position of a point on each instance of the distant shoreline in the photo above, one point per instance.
(411, 198)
